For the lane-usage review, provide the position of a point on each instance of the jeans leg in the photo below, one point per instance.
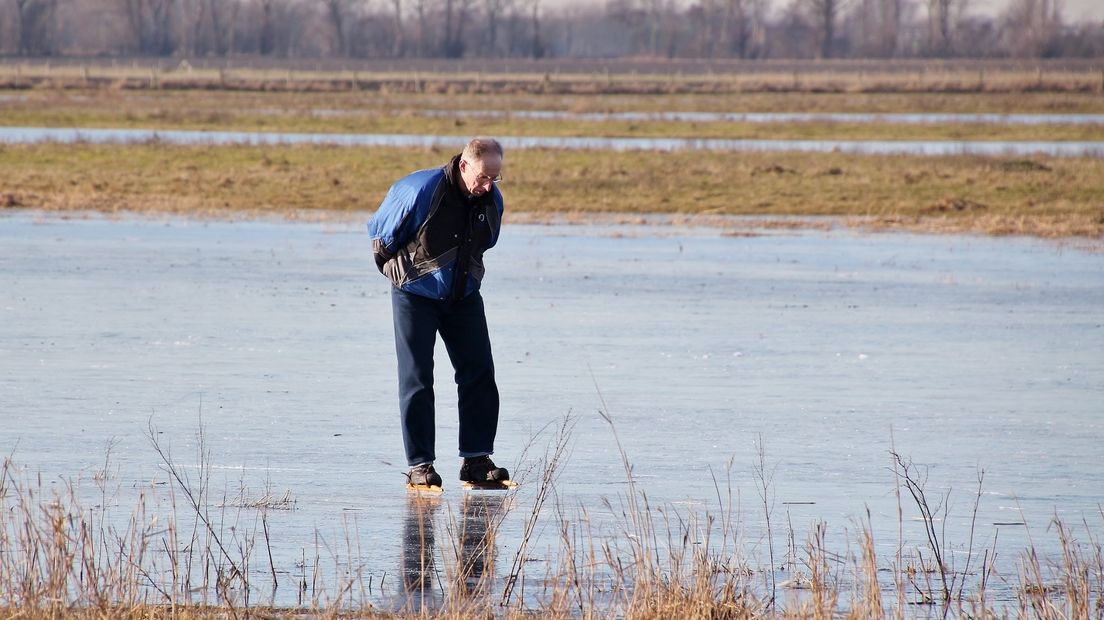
(464, 332)
(416, 324)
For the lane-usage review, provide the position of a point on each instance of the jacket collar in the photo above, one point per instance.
(452, 173)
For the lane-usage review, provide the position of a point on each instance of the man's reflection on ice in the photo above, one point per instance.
(468, 541)
(479, 522)
(418, 552)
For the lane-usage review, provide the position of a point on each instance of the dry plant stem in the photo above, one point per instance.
(1033, 593)
(824, 590)
(871, 596)
(764, 485)
(914, 483)
(199, 510)
(970, 544)
(898, 565)
(553, 459)
(642, 536)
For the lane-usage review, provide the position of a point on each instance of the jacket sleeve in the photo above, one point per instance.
(393, 224)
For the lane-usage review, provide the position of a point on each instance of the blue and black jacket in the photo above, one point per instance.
(428, 235)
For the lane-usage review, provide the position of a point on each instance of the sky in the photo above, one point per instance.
(1073, 10)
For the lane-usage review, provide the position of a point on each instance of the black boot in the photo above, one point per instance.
(423, 475)
(482, 469)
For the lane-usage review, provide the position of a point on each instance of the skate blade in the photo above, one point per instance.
(424, 488)
(502, 485)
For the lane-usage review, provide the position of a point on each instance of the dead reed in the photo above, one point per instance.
(61, 558)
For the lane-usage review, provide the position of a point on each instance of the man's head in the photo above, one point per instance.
(480, 165)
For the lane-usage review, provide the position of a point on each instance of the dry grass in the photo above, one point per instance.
(1045, 197)
(61, 559)
(401, 113)
(575, 77)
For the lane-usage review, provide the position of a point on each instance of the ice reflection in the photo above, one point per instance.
(419, 567)
(468, 545)
(480, 517)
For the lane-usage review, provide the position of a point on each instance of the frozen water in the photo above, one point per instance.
(828, 347)
(869, 147)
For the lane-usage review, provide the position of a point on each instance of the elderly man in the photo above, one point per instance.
(428, 237)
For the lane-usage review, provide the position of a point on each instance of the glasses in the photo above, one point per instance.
(481, 178)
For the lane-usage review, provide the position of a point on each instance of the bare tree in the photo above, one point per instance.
(1033, 27)
(335, 10)
(423, 8)
(535, 29)
(150, 23)
(266, 42)
(342, 16)
(538, 42)
(873, 25)
(494, 9)
(889, 22)
(452, 44)
(743, 26)
(939, 27)
(36, 26)
(398, 43)
(224, 22)
(824, 14)
(705, 24)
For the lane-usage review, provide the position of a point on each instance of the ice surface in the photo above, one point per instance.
(828, 347)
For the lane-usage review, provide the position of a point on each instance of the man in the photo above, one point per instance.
(428, 237)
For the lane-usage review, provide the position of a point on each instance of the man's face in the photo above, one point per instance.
(479, 175)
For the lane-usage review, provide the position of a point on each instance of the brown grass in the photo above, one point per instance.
(1040, 196)
(574, 77)
(61, 559)
(407, 114)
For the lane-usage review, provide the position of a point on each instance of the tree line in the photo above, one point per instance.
(744, 29)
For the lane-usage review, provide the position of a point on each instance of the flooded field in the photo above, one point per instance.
(824, 349)
(16, 135)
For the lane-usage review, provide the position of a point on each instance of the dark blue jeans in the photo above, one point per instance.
(463, 328)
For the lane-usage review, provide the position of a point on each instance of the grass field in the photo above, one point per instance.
(1048, 197)
(561, 76)
(1042, 196)
(401, 113)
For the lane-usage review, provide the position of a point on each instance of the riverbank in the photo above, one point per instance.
(1038, 196)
